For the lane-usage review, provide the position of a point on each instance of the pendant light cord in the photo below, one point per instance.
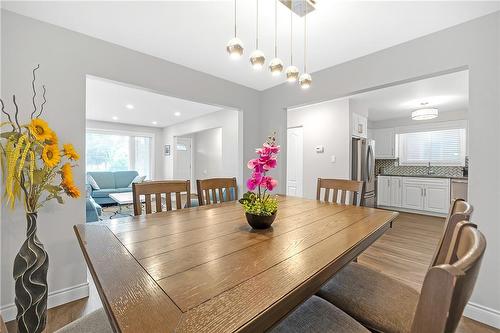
(275, 28)
(234, 18)
(291, 38)
(257, 27)
(305, 38)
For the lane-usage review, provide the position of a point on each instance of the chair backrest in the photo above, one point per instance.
(447, 288)
(215, 190)
(460, 210)
(340, 187)
(162, 188)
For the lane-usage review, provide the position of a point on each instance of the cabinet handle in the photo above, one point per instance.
(421, 192)
(425, 192)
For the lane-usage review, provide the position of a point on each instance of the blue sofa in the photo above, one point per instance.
(110, 182)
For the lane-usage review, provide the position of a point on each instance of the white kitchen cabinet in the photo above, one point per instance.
(385, 143)
(437, 198)
(414, 193)
(383, 191)
(413, 196)
(396, 191)
(359, 125)
(427, 194)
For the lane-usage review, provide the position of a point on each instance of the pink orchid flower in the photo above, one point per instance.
(269, 183)
(269, 163)
(254, 181)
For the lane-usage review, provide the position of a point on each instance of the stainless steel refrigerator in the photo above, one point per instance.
(363, 168)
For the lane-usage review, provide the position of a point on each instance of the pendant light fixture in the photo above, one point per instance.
(276, 65)
(292, 72)
(425, 113)
(257, 58)
(235, 46)
(305, 79)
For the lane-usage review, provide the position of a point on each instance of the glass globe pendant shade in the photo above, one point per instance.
(235, 48)
(305, 80)
(292, 73)
(276, 66)
(257, 59)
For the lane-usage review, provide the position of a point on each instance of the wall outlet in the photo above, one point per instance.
(334, 159)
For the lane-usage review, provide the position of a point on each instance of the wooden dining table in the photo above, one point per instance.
(204, 269)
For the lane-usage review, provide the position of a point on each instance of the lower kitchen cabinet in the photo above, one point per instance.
(414, 193)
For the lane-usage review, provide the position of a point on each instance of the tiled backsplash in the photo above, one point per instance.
(390, 167)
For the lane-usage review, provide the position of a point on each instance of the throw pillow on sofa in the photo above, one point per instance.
(93, 183)
(137, 179)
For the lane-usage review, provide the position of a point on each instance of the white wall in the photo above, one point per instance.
(325, 124)
(207, 152)
(155, 132)
(229, 122)
(66, 57)
(474, 45)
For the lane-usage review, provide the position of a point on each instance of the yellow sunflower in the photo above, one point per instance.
(51, 156)
(40, 129)
(67, 174)
(72, 191)
(70, 152)
(53, 140)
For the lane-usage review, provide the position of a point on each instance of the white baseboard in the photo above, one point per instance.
(483, 314)
(56, 298)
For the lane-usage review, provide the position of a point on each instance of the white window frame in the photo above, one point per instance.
(131, 135)
(401, 147)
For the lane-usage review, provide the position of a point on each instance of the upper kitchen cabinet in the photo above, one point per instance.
(359, 126)
(385, 143)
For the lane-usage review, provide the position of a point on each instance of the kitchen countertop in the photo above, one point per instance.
(426, 176)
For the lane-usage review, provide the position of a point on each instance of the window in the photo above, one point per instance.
(443, 147)
(114, 151)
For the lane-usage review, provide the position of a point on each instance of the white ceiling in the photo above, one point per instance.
(448, 92)
(194, 33)
(107, 101)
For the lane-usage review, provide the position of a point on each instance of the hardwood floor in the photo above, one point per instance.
(404, 252)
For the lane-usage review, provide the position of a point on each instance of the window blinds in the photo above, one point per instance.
(443, 147)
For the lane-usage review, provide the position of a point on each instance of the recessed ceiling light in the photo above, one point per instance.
(129, 106)
(177, 114)
(115, 118)
(154, 122)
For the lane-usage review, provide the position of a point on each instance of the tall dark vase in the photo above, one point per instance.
(30, 272)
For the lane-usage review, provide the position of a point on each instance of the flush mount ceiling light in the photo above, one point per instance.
(305, 79)
(276, 65)
(154, 122)
(425, 113)
(129, 106)
(257, 58)
(114, 118)
(235, 46)
(292, 72)
(177, 114)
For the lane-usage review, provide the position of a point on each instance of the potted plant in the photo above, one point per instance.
(35, 170)
(260, 207)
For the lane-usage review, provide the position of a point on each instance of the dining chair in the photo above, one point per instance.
(340, 188)
(460, 210)
(3, 328)
(213, 190)
(95, 322)
(162, 188)
(384, 304)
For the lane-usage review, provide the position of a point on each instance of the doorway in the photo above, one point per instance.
(183, 158)
(295, 161)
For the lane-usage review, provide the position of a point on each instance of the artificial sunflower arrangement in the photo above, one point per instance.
(34, 171)
(32, 162)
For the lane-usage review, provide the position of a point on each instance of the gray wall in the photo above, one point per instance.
(474, 45)
(332, 132)
(66, 57)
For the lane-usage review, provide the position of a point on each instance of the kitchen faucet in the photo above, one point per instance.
(429, 172)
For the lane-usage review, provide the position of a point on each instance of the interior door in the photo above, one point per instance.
(294, 161)
(182, 158)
